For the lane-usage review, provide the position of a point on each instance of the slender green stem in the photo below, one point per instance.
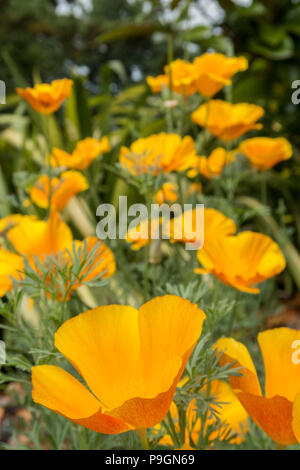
(142, 433)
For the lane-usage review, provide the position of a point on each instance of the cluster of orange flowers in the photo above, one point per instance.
(132, 360)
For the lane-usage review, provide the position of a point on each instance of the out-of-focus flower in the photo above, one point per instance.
(36, 238)
(241, 261)
(10, 221)
(182, 74)
(40, 238)
(228, 121)
(47, 98)
(278, 412)
(60, 191)
(168, 193)
(140, 235)
(11, 266)
(130, 359)
(183, 228)
(195, 188)
(214, 71)
(265, 152)
(159, 153)
(85, 152)
(231, 414)
(212, 166)
(103, 263)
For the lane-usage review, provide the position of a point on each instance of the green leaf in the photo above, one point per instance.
(285, 51)
(77, 111)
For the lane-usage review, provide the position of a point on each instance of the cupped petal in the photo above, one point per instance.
(273, 415)
(169, 327)
(236, 353)
(59, 391)
(103, 344)
(282, 366)
(41, 238)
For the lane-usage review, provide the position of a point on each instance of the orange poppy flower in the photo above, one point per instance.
(130, 359)
(168, 193)
(228, 121)
(214, 71)
(264, 152)
(230, 412)
(62, 189)
(241, 261)
(85, 152)
(212, 166)
(40, 238)
(182, 75)
(37, 238)
(159, 153)
(278, 412)
(216, 224)
(47, 98)
(103, 262)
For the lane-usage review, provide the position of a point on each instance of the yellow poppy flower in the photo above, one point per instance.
(62, 189)
(216, 224)
(40, 238)
(228, 121)
(230, 412)
(168, 193)
(278, 412)
(265, 152)
(212, 166)
(159, 153)
(36, 238)
(11, 266)
(47, 98)
(130, 359)
(85, 152)
(241, 261)
(182, 75)
(214, 71)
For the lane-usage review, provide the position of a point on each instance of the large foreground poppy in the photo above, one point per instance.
(130, 359)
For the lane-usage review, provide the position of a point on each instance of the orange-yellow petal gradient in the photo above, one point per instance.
(61, 392)
(228, 121)
(243, 260)
(47, 98)
(159, 153)
(282, 372)
(61, 189)
(214, 71)
(235, 353)
(85, 152)
(41, 238)
(183, 228)
(265, 152)
(132, 360)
